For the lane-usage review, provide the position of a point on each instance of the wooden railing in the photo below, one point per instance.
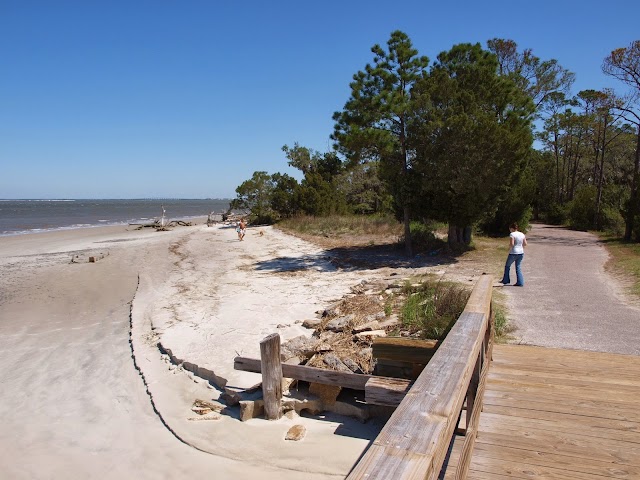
(414, 442)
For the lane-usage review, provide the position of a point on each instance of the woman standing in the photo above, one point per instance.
(517, 241)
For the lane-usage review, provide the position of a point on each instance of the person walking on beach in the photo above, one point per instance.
(242, 228)
(517, 241)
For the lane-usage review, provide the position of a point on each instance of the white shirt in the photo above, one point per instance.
(518, 241)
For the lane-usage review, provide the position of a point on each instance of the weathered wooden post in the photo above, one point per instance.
(271, 375)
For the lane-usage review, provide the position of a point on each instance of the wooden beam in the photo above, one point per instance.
(271, 376)
(385, 391)
(307, 374)
(480, 299)
(404, 349)
(329, 377)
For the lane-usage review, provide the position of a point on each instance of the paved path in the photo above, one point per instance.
(569, 301)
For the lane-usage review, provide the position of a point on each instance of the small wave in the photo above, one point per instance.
(45, 200)
(80, 226)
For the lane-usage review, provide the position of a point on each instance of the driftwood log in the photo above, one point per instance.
(157, 224)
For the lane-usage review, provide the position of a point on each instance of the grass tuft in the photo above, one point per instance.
(432, 308)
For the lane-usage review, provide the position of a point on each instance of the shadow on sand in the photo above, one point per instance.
(369, 257)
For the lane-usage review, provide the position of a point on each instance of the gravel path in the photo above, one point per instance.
(569, 301)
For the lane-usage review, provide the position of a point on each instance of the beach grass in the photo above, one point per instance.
(432, 307)
(341, 225)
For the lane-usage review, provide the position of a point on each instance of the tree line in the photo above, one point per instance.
(480, 138)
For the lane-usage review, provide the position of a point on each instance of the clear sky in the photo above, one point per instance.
(186, 99)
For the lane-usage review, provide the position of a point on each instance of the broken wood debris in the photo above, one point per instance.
(341, 379)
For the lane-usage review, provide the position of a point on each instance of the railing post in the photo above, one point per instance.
(473, 387)
(271, 375)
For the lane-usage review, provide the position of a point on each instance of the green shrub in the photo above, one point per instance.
(423, 238)
(581, 209)
(557, 214)
(612, 221)
(432, 308)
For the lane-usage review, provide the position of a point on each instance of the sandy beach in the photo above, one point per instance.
(101, 362)
(87, 391)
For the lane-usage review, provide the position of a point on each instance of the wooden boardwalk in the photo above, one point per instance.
(557, 414)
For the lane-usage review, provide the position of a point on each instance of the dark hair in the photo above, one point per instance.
(514, 226)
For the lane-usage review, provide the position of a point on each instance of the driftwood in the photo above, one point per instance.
(161, 224)
(158, 225)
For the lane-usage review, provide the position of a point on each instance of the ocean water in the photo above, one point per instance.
(30, 216)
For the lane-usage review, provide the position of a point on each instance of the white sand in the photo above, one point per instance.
(73, 404)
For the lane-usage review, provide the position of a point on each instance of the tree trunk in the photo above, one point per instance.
(407, 232)
(633, 201)
(459, 235)
(574, 172)
(404, 195)
(556, 152)
(600, 174)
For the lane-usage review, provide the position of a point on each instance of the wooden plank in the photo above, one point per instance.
(396, 369)
(560, 354)
(385, 391)
(595, 423)
(537, 392)
(552, 414)
(566, 382)
(271, 376)
(563, 358)
(566, 443)
(591, 375)
(576, 424)
(569, 463)
(404, 349)
(321, 375)
(477, 475)
(472, 389)
(480, 298)
(562, 405)
(451, 463)
(569, 361)
(514, 469)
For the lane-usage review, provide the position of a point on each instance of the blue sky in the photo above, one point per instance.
(186, 99)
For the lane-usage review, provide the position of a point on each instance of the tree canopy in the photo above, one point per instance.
(472, 136)
(454, 142)
(373, 123)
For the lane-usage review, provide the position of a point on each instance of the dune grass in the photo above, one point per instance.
(338, 225)
(432, 307)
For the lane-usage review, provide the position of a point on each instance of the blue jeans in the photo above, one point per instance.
(513, 257)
